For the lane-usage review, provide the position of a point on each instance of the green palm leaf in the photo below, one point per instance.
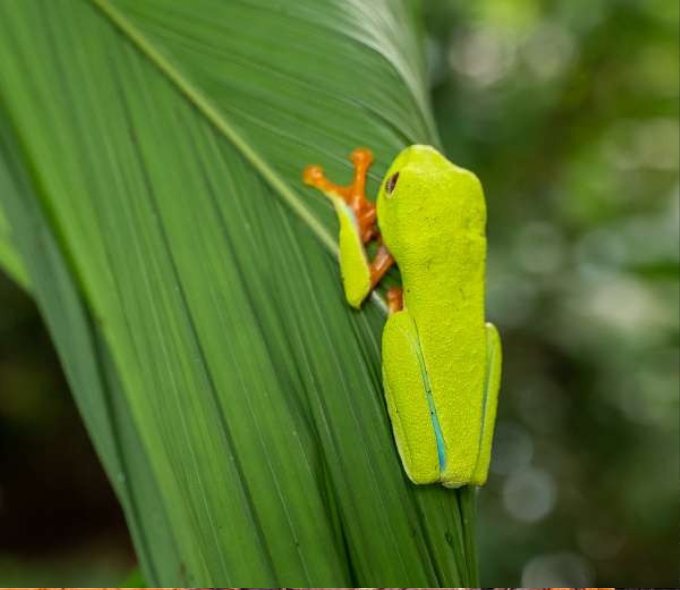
(152, 159)
(10, 258)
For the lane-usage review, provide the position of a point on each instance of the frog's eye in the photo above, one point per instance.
(391, 183)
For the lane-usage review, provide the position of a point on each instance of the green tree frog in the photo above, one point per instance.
(441, 361)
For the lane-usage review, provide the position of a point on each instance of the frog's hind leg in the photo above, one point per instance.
(492, 384)
(406, 393)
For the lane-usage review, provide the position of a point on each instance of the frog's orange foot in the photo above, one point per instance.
(314, 176)
(361, 155)
(362, 158)
(354, 194)
(395, 299)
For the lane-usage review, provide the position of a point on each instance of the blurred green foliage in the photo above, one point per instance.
(59, 519)
(568, 111)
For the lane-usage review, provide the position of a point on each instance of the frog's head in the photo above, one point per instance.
(425, 199)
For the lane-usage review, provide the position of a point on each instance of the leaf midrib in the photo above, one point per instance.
(217, 119)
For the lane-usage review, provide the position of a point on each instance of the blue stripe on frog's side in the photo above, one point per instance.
(441, 451)
(439, 437)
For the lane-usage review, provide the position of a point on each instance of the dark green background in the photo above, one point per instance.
(568, 111)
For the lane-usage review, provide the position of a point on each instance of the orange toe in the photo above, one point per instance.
(361, 157)
(313, 175)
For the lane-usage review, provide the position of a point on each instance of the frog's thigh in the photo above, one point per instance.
(492, 384)
(354, 266)
(407, 401)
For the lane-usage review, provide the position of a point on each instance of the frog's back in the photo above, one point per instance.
(433, 222)
(447, 308)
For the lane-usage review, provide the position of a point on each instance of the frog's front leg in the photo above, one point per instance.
(492, 384)
(357, 217)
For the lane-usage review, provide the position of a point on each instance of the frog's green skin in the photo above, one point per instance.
(441, 361)
(354, 265)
